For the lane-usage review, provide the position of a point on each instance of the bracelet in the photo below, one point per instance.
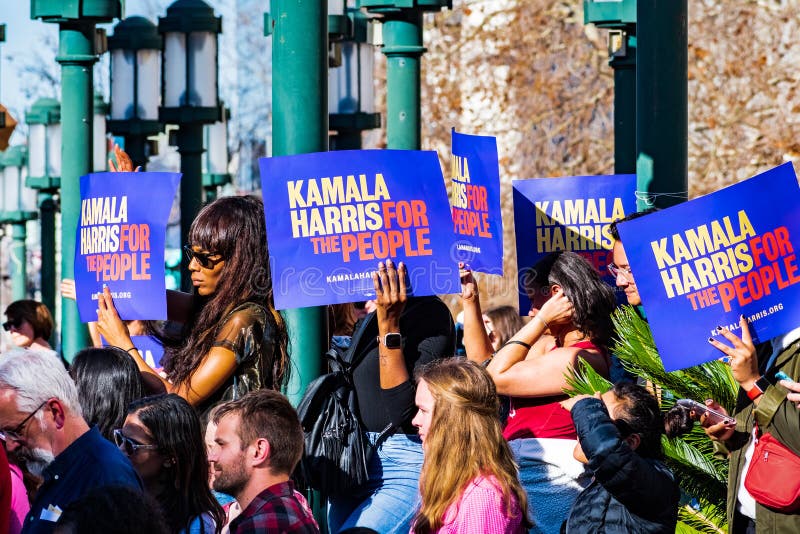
(515, 342)
(130, 349)
(537, 316)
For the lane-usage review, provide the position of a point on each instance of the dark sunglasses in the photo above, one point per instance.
(15, 323)
(127, 445)
(203, 258)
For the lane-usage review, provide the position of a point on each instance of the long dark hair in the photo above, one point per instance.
(592, 299)
(108, 381)
(232, 227)
(176, 430)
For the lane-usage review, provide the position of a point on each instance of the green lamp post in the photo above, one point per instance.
(18, 205)
(77, 54)
(620, 19)
(215, 158)
(190, 96)
(135, 49)
(44, 175)
(300, 125)
(402, 46)
(662, 112)
(351, 90)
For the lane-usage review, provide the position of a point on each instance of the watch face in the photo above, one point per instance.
(393, 341)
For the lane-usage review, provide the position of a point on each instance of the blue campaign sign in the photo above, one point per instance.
(332, 216)
(475, 202)
(150, 349)
(120, 242)
(572, 214)
(701, 264)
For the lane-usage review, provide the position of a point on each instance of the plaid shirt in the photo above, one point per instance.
(278, 509)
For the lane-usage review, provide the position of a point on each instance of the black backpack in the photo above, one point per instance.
(337, 450)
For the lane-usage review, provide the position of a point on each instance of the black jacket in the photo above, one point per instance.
(629, 493)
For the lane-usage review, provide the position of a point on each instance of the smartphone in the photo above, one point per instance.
(714, 416)
(780, 375)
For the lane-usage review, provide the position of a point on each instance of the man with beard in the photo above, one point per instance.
(259, 442)
(42, 423)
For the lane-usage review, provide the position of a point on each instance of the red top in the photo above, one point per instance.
(543, 417)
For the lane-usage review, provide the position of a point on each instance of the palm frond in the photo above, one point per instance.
(584, 380)
(691, 521)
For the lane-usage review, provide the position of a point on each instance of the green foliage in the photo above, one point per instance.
(701, 475)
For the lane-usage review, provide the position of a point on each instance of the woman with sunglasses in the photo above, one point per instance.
(30, 324)
(232, 339)
(163, 440)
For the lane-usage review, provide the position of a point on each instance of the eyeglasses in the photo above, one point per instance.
(203, 258)
(16, 433)
(12, 323)
(127, 445)
(616, 271)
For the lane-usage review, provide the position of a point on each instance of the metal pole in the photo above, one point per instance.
(624, 65)
(402, 37)
(19, 261)
(134, 147)
(300, 125)
(76, 56)
(661, 101)
(190, 147)
(47, 221)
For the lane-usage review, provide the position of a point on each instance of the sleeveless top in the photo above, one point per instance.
(543, 417)
(249, 331)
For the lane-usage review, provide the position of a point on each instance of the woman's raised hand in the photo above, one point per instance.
(124, 162)
(108, 322)
(741, 356)
(469, 288)
(557, 309)
(390, 291)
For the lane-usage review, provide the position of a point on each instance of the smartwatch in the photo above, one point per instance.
(758, 389)
(392, 340)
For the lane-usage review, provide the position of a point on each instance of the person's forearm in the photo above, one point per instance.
(512, 352)
(392, 364)
(476, 341)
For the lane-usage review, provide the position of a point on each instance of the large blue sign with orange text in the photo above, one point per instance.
(332, 216)
(572, 214)
(120, 242)
(475, 202)
(701, 264)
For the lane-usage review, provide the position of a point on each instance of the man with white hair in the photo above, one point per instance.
(41, 421)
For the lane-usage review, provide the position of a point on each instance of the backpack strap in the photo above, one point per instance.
(353, 357)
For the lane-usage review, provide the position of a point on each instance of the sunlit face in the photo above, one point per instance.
(149, 463)
(231, 472)
(31, 441)
(211, 447)
(425, 402)
(21, 332)
(206, 278)
(624, 277)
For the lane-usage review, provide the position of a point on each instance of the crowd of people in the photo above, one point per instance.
(492, 442)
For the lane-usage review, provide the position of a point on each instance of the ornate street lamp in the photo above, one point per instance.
(351, 90)
(215, 158)
(190, 96)
(18, 207)
(44, 175)
(135, 84)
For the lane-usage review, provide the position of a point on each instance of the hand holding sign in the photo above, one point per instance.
(390, 293)
(124, 162)
(742, 356)
(109, 324)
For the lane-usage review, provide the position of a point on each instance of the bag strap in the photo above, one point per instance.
(353, 357)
